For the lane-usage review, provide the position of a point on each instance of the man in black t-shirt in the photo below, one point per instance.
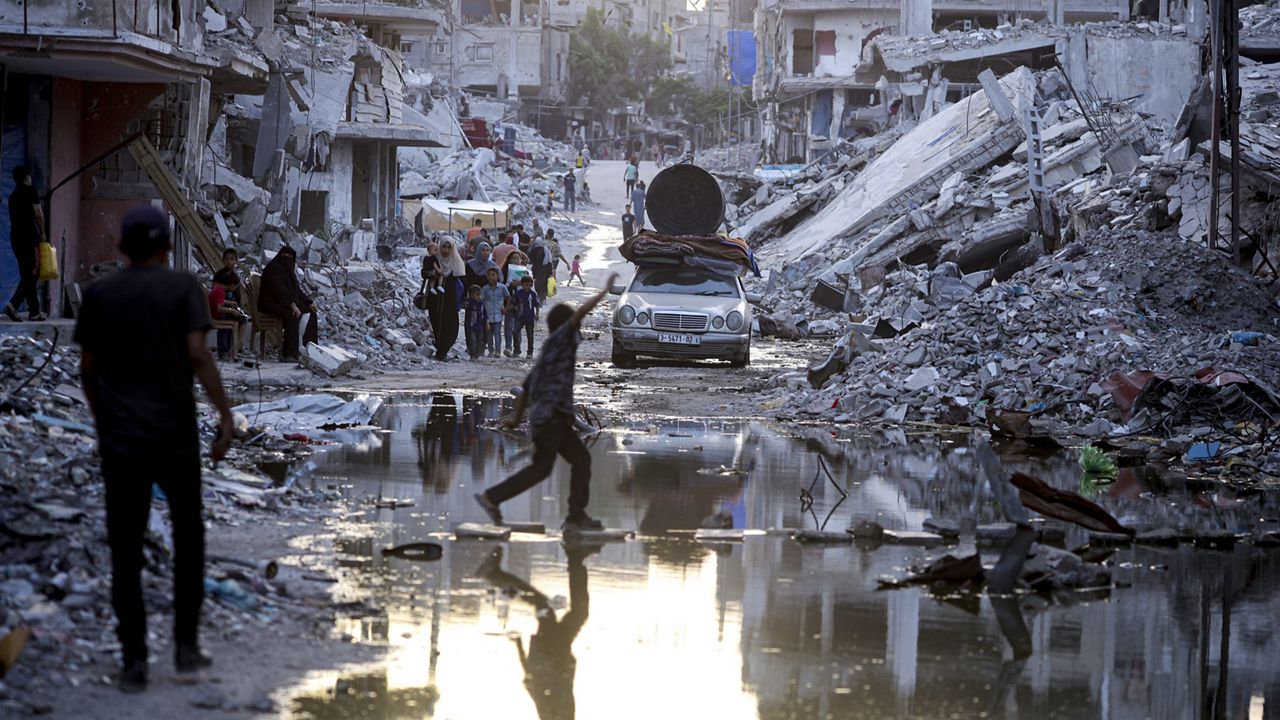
(26, 232)
(628, 223)
(142, 336)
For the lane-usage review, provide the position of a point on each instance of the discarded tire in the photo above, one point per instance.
(685, 200)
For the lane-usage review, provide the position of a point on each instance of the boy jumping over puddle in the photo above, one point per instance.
(548, 395)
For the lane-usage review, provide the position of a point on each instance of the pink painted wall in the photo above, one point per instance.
(64, 159)
(106, 109)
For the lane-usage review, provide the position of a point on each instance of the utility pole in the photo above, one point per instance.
(1224, 37)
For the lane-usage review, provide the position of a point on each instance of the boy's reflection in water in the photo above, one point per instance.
(549, 665)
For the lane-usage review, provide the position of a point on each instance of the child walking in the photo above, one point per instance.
(494, 295)
(548, 396)
(527, 303)
(476, 322)
(575, 271)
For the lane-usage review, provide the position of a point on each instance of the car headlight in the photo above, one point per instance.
(717, 322)
(734, 321)
(642, 318)
(627, 314)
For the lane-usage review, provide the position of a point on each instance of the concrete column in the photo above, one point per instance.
(1197, 19)
(513, 55)
(837, 116)
(916, 17)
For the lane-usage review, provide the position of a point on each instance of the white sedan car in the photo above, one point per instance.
(681, 312)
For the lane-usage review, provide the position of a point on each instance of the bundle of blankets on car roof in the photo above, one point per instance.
(717, 253)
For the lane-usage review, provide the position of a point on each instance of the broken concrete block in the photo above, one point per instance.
(214, 21)
(823, 536)
(917, 539)
(328, 359)
(360, 276)
(596, 536)
(718, 535)
(945, 528)
(866, 530)
(532, 528)
(399, 340)
(922, 378)
(995, 533)
(896, 413)
(481, 531)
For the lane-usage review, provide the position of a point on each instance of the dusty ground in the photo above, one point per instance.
(255, 658)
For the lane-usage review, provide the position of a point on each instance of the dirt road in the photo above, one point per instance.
(708, 388)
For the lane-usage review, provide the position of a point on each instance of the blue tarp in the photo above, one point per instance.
(820, 119)
(742, 57)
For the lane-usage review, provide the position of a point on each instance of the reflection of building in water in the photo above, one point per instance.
(810, 633)
(816, 640)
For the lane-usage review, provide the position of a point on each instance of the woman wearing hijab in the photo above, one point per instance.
(478, 266)
(280, 296)
(444, 308)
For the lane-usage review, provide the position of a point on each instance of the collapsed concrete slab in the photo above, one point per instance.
(963, 137)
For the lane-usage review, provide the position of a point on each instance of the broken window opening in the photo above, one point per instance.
(480, 53)
(826, 42)
(802, 51)
(313, 212)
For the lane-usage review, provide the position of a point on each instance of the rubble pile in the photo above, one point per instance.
(937, 346)
(54, 560)
(367, 311)
(768, 203)
(477, 174)
(1260, 25)
(949, 40)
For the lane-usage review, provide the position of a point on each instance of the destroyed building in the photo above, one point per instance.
(78, 80)
(828, 71)
(258, 123)
(510, 51)
(1007, 251)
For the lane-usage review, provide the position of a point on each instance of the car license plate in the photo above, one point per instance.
(679, 339)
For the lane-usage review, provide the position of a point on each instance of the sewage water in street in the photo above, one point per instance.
(663, 626)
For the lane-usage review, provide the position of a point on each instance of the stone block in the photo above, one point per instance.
(943, 527)
(917, 539)
(995, 533)
(481, 531)
(329, 360)
(823, 536)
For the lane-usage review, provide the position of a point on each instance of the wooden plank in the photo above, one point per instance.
(170, 189)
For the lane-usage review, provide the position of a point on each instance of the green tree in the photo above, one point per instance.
(609, 66)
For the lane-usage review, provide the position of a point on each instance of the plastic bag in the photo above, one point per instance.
(48, 262)
(551, 287)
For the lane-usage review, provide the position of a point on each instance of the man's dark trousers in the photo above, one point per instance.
(556, 436)
(129, 479)
(26, 291)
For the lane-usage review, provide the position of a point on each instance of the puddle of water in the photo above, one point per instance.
(664, 626)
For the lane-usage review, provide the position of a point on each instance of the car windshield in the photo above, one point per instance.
(684, 281)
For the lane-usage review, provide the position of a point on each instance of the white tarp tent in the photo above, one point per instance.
(443, 215)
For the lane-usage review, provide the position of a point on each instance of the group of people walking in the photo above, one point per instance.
(492, 294)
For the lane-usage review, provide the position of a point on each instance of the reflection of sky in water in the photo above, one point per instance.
(767, 628)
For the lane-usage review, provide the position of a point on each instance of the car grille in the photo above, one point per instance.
(679, 321)
(646, 347)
